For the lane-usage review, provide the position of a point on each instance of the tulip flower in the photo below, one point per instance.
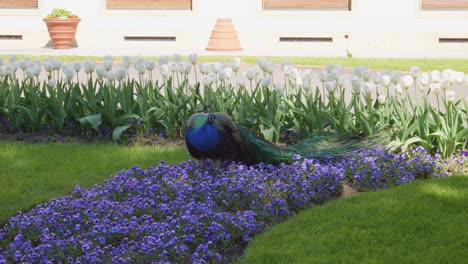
(381, 98)
(414, 71)
(193, 58)
(176, 57)
(435, 88)
(435, 76)
(407, 81)
(369, 87)
(76, 66)
(330, 86)
(385, 79)
(235, 64)
(450, 96)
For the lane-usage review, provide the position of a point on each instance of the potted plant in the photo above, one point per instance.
(62, 24)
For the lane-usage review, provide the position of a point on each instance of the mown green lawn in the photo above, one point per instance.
(420, 222)
(34, 173)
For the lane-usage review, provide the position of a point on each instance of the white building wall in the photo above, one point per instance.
(376, 28)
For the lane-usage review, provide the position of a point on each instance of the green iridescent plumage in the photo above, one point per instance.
(216, 136)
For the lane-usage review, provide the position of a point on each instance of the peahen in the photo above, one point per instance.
(215, 136)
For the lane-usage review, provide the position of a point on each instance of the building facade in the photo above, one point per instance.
(366, 28)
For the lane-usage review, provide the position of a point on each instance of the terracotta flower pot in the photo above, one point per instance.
(224, 37)
(62, 31)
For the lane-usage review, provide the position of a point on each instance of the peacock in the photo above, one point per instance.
(216, 136)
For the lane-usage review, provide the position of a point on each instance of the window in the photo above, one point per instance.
(18, 3)
(149, 4)
(307, 4)
(444, 4)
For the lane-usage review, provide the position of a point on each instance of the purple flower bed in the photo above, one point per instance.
(184, 213)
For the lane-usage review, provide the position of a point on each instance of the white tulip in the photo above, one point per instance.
(141, 68)
(269, 67)
(330, 86)
(444, 84)
(227, 72)
(330, 67)
(293, 73)
(69, 73)
(407, 81)
(193, 58)
(356, 83)
(36, 70)
(29, 73)
(1, 61)
(180, 67)
(398, 89)
(51, 82)
(48, 66)
(216, 67)
(459, 77)
(205, 68)
(235, 64)
(2, 71)
(424, 79)
(108, 64)
(323, 76)
(265, 82)
(450, 96)
(120, 73)
(9, 70)
(250, 74)
(258, 70)
(222, 75)
(358, 71)
(298, 81)
(340, 81)
(395, 77)
(126, 60)
(285, 66)
(57, 64)
(377, 78)
(188, 68)
(163, 60)
(11, 58)
(76, 66)
(279, 87)
(23, 64)
(435, 76)
(386, 80)
(164, 68)
(207, 80)
(150, 65)
(381, 98)
(176, 57)
(448, 75)
(172, 66)
(261, 62)
(101, 72)
(110, 76)
(369, 87)
(306, 74)
(240, 79)
(306, 86)
(366, 74)
(414, 71)
(435, 88)
(89, 66)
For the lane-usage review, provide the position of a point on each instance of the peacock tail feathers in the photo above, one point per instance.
(258, 150)
(324, 144)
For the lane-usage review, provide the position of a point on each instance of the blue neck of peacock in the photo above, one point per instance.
(204, 138)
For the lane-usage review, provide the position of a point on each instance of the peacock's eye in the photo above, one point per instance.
(210, 119)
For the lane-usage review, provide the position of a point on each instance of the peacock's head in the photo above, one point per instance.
(199, 119)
